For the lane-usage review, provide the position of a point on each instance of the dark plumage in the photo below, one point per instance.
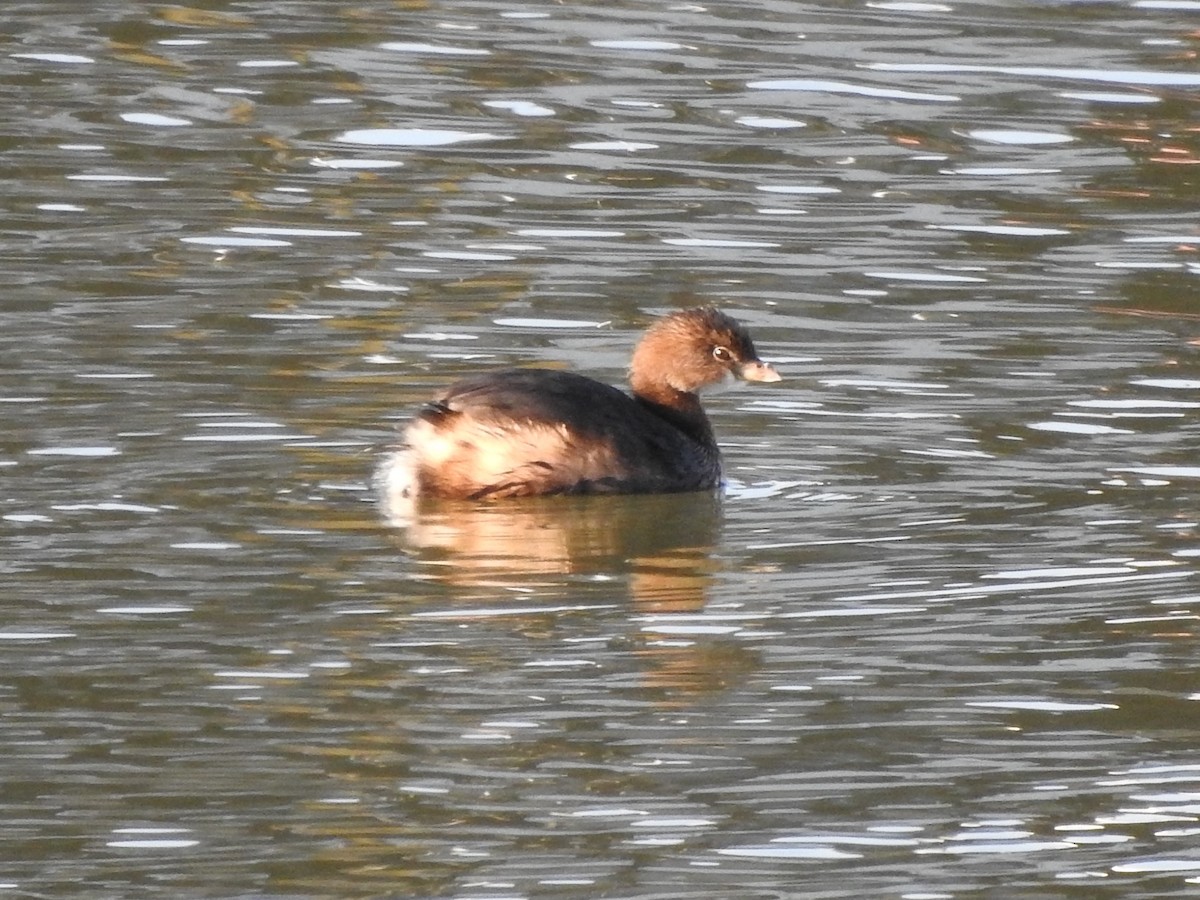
(519, 432)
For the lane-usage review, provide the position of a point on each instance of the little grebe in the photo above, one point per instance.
(520, 432)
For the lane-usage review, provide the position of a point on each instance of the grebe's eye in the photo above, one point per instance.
(722, 354)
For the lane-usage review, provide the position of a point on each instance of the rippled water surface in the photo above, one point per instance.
(933, 641)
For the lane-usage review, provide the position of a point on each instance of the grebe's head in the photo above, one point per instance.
(690, 350)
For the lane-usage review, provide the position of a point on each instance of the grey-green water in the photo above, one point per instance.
(935, 639)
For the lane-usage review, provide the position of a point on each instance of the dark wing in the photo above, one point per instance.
(543, 396)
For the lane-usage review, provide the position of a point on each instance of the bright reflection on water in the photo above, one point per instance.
(935, 639)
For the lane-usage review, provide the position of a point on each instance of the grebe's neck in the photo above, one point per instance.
(681, 409)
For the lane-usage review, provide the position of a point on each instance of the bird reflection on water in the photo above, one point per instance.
(662, 543)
